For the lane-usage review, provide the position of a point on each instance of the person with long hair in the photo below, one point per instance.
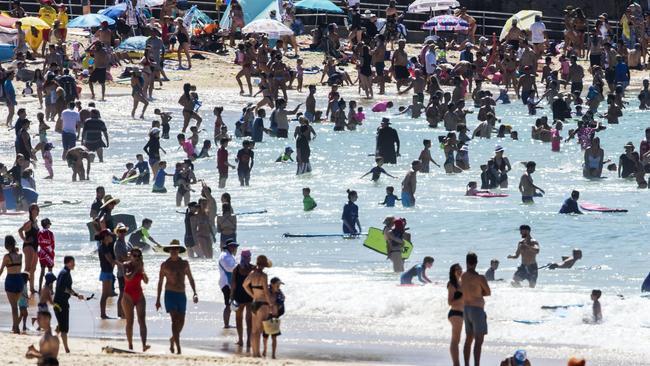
(365, 72)
(183, 37)
(455, 315)
(138, 92)
(152, 149)
(256, 286)
(38, 80)
(134, 274)
(148, 64)
(14, 282)
(28, 233)
(241, 299)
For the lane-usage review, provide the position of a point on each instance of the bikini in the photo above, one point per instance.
(133, 288)
(457, 295)
(256, 305)
(14, 282)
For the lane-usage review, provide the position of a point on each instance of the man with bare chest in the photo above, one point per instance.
(399, 62)
(174, 270)
(527, 248)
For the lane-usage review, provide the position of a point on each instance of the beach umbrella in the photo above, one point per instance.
(152, 3)
(272, 28)
(425, 6)
(90, 21)
(114, 12)
(443, 23)
(7, 21)
(325, 6)
(137, 43)
(35, 22)
(525, 19)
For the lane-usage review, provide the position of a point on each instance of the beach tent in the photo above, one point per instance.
(137, 43)
(525, 19)
(195, 18)
(323, 6)
(90, 21)
(253, 10)
(425, 6)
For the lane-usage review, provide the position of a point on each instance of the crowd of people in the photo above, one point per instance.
(527, 65)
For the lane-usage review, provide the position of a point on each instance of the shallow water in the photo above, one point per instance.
(340, 288)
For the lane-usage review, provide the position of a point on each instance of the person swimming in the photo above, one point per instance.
(419, 270)
(472, 190)
(567, 262)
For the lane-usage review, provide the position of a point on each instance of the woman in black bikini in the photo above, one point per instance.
(243, 300)
(28, 233)
(256, 286)
(14, 281)
(455, 316)
(183, 43)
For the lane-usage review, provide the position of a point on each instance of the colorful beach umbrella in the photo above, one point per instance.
(323, 6)
(90, 21)
(525, 19)
(446, 23)
(137, 43)
(35, 22)
(425, 6)
(272, 28)
(7, 21)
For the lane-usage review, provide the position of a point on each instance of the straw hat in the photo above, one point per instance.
(121, 228)
(174, 245)
(108, 199)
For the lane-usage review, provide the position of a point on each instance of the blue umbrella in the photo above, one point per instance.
(137, 43)
(114, 12)
(319, 5)
(90, 21)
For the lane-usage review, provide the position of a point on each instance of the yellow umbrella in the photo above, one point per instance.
(35, 22)
(525, 19)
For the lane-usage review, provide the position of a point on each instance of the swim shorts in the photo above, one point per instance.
(527, 272)
(106, 276)
(62, 314)
(475, 321)
(407, 201)
(226, 294)
(14, 283)
(310, 116)
(175, 301)
(98, 76)
(68, 139)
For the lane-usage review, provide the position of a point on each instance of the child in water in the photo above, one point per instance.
(165, 117)
(597, 311)
(377, 170)
(389, 200)
(205, 150)
(159, 182)
(46, 153)
(419, 270)
(490, 273)
(308, 203)
(471, 189)
(285, 156)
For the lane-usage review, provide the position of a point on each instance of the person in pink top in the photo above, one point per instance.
(187, 146)
(45, 239)
(556, 138)
(382, 106)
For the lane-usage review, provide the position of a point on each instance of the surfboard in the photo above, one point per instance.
(528, 322)
(375, 241)
(598, 208)
(556, 307)
(30, 195)
(46, 204)
(126, 219)
(491, 195)
(126, 180)
(344, 236)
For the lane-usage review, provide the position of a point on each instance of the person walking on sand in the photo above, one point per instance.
(241, 299)
(455, 315)
(62, 295)
(174, 270)
(29, 234)
(527, 248)
(256, 286)
(227, 264)
(14, 283)
(475, 287)
(134, 274)
(106, 263)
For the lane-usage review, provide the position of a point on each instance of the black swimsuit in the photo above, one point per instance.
(30, 237)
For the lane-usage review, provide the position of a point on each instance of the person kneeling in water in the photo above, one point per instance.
(419, 270)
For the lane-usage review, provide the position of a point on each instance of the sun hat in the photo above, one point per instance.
(498, 148)
(174, 245)
(108, 199)
(629, 144)
(121, 228)
(231, 242)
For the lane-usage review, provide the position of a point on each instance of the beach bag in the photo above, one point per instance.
(271, 326)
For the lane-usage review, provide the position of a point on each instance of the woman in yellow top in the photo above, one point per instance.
(62, 20)
(48, 15)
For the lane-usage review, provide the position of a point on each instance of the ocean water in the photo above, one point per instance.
(339, 292)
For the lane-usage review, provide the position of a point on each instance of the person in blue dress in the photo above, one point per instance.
(570, 205)
(419, 270)
(350, 215)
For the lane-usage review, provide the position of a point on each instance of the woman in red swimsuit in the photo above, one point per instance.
(134, 297)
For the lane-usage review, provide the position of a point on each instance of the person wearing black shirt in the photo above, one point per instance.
(355, 25)
(560, 108)
(69, 85)
(98, 202)
(62, 294)
(303, 151)
(370, 25)
(22, 118)
(91, 136)
(106, 263)
(627, 162)
(387, 142)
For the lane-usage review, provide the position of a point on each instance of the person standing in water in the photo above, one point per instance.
(350, 215)
(527, 248)
(475, 287)
(387, 142)
(526, 186)
(174, 270)
(455, 315)
(409, 184)
(134, 274)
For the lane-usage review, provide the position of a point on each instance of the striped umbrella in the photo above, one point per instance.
(447, 23)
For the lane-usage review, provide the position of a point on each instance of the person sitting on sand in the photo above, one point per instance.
(567, 262)
(48, 345)
(419, 270)
(570, 205)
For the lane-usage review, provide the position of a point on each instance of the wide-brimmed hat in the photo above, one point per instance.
(231, 243)
(498, 148)
(154, 131)
(108, 199)
(102, 234)
(121, 228)
(629, 144)
(174, 245)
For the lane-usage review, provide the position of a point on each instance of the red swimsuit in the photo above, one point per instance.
(133, 288)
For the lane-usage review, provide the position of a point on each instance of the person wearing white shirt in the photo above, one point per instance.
(538, 35)
(430, 60)
(227, 264)
(70, 123)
